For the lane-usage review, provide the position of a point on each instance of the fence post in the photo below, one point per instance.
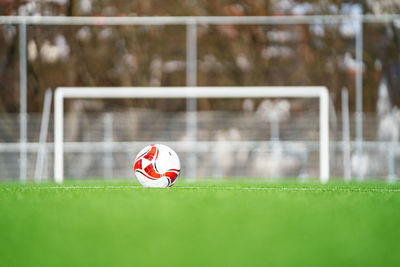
(191, 103)
(346, 135)
(358, 24)
(107, 158)
(391, 161)
(23, 103)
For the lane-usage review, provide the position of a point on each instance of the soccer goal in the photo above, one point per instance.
(318, 92)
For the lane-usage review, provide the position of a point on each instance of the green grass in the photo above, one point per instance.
(118, 224)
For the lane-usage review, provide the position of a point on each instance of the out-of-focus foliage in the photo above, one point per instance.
(227, 55)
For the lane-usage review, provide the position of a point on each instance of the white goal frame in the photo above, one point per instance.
(320, 92)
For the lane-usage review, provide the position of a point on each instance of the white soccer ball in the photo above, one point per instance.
(157, 166)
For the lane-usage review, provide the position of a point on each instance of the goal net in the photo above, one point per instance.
(254, 142)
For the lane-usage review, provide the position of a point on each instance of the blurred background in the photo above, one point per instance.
(356, 59)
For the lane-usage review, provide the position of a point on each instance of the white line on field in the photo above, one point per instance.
(231, 188)
(293, 188)
(91, 187)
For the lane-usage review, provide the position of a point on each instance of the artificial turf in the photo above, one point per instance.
(225, 223)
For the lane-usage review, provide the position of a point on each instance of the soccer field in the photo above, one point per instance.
(228, 223)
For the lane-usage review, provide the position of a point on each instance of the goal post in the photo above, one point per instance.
(320, 92)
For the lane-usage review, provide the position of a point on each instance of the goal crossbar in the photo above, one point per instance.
(320, 92)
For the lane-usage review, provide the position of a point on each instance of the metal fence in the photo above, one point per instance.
(231, 144)
(191, 23)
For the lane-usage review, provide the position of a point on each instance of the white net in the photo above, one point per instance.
(264, 138)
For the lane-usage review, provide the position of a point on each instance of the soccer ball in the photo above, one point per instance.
(157, 166)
